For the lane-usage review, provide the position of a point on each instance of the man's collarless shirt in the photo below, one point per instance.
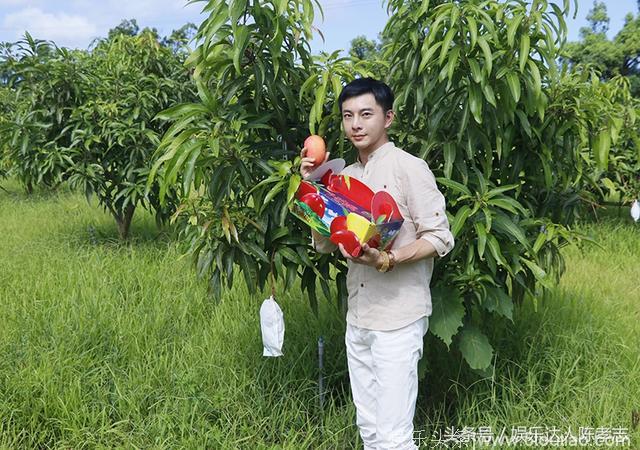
(392, 300)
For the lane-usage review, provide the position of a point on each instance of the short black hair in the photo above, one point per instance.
(360, 86)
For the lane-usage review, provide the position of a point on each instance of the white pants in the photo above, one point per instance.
(383, 370)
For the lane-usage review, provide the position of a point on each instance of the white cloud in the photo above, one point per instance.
(64, 29)
(11, 2)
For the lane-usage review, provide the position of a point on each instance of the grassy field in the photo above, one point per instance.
(107, 345)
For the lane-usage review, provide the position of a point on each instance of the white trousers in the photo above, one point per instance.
(383, 370)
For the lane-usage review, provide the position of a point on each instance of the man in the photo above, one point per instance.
(389, 298)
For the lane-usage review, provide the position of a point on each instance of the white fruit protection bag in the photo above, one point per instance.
(272, 327)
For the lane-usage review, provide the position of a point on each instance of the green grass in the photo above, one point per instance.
(106, 345)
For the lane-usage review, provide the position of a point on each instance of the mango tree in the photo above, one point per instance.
(128, 80)
(607, 133)
(232, 153)
(43, 83)
(7, 107)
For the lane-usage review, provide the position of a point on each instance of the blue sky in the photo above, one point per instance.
(74, 23)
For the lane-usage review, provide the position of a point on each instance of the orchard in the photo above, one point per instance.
(532, 141)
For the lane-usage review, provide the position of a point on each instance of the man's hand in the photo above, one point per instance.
(370, 256)
(307, 165)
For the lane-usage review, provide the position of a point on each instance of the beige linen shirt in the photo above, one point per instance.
(392, 300)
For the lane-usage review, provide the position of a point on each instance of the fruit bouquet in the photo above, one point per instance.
(347, 210)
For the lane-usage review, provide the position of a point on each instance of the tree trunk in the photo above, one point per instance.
(123, 219)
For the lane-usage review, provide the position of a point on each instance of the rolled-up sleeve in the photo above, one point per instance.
(426, 205)
(323, 244)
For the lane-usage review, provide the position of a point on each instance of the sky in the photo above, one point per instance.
(75, 23)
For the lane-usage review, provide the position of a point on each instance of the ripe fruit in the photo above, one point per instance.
(316, 149)
(315, 202)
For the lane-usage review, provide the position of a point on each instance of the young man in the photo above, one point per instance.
(389, 298)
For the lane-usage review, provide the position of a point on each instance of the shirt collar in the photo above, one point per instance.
(378, 153)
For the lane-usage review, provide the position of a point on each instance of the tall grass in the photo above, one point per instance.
(104, 344)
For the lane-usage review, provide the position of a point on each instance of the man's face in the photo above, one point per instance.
(365, 123)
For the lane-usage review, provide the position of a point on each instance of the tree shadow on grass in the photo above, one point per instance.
(144, 233)
(10, 189)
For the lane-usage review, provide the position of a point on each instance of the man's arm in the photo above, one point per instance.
(417, 250)
(426, 205)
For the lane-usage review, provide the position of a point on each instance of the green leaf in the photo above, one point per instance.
(423, 7)
(454, 186)
(609, 185)
(294, 182)
(241, 38)
(476, 73)
(290, 255)
(447, 314)
(272, 193)
(535, 75)
(236, 8)
(256, 250)
(502, 222)
(475, 347)
(601, 147)
(507, 204)
(481, 232)
(489, 94)
(540, 241)
(452, 65)
(524, 122)
(449, 158)
(512, 28)
(427, 53)
(524, 51)
(446, 43)
(514, 85)
(190, 168)
(473, 30)
(540, 275)
(488, 57)
(459, 220)
(494, 248)
(475, 102)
